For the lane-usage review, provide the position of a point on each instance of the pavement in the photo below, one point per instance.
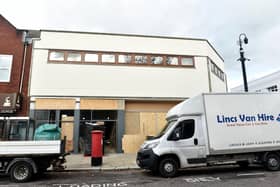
(112, 161)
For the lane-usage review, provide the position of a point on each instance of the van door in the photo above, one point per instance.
(190, 142)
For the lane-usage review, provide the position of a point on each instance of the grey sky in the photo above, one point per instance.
(219, 21)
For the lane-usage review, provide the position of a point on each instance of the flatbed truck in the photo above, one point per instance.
(21, 156)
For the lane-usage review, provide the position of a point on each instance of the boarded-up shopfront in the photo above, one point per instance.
(143, 119)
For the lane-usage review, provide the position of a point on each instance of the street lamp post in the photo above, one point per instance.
(242, 59)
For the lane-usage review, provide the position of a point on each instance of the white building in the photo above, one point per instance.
(127, 81)
(268, 83)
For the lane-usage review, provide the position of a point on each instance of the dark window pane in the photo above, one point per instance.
(157, 60)
(141, 59)
(172, 60)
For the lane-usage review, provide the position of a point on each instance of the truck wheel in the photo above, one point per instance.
(21, 172)
(168, 167)
(243, 164)
(272, 162)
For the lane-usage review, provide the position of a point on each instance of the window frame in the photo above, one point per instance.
(57, 61)
(108, 63)
(9, 69)
(116, 59)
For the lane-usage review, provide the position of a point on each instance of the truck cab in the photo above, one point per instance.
(180, 144)
(16, 128)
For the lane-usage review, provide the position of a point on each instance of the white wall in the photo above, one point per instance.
(119, 81)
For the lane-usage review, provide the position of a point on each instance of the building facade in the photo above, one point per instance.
(15, 58)
(127, 82)
(268, 83)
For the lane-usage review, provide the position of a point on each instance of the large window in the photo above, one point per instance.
(118, 58)
(217, 71)
(5, 67)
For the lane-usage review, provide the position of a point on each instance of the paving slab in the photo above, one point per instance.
(112, 161)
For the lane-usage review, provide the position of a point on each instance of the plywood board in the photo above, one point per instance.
(69, 146)
(148, 123)
(161, 121)
(54, 104)
(100, 104)
(132, 123)
(67, 127)
(132, 143)
(149, 106)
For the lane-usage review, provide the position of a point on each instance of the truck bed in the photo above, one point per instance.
(14, 148)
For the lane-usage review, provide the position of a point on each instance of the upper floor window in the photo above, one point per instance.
(172, 60)
(74, 57)
(5, 67)
(56, 56)
(157, 60)
(115, 58)
(91, 57)
(217, 71)
(187, 61)
(141, 59)
(108, 58)
(273, 88)
(124, 59)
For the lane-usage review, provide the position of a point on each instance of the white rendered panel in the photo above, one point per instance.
(29, 147)
(230, 131)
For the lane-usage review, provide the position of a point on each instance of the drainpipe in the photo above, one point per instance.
(209, 75)
(23, 61)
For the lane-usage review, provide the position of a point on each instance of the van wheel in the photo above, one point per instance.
(168, 167)
(21, 172)
(272, 162)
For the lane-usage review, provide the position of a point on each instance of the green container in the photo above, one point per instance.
(47, 132)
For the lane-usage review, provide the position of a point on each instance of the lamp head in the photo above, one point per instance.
(246, 40)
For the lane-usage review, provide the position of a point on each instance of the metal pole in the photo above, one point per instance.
(243, 59)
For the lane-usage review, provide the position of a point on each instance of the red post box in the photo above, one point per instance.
(96, 147)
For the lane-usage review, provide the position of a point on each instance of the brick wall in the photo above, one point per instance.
(11, 43)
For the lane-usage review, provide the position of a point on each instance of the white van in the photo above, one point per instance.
(212, 129)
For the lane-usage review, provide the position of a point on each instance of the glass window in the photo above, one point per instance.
(157, 60)
(185, 129)
(1, 130)
(75, 57)
(172, 60)
(18, 130)
(57, 56)
(187, 61)
(5, 67)
(124, 59)
(108, 58)
(139, 59)
(90, 57)
(273, 88)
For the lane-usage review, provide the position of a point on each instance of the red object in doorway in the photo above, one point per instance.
(96, 147)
